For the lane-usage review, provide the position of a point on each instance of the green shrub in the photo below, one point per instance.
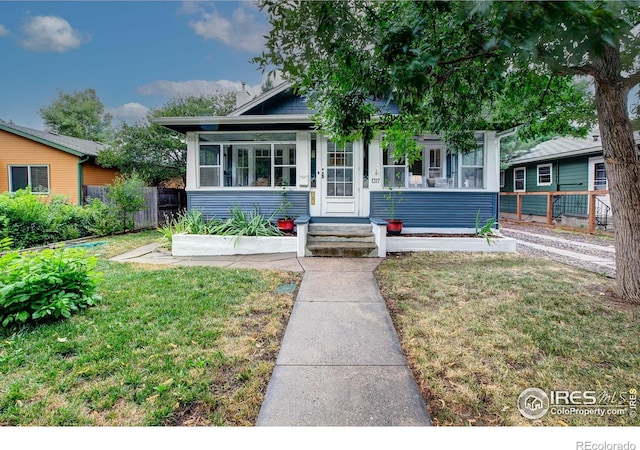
(127, 193)
(102, 219)
(32, 220)
(45, 285)
(28, 218)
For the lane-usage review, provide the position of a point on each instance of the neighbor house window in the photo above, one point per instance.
(502, 178)
(247, 159)
(519, 182)
(599, 177)
(544, 174)
(472, 168)
(35, 177)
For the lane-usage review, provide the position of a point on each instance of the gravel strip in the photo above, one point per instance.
(570, 241)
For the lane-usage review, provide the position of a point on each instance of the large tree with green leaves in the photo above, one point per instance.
(156, 153)
(78, 114)
(455, 67)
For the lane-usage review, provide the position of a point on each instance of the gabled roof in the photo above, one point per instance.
(282, 87)
(277, 109)
(72, 145)
(563, 147)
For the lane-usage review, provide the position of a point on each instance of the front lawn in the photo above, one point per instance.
(478, 329)
(165, 346)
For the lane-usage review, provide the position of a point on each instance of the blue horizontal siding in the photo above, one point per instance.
(455, 209)
(218, 203)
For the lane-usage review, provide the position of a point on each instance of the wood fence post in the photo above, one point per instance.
(519, 206)
(592, 213)
(549, 208)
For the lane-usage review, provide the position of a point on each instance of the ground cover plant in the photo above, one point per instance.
(164, 346)
(478, 329)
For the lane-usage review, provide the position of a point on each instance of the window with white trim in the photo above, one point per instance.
(34, 176)
(394, 171)
(247, 159)
(502, 176)
(519, 179)
(472, 168)
(599, 177)
(545, 174)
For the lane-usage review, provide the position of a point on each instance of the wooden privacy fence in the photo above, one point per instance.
(161, 204)
(555, 204)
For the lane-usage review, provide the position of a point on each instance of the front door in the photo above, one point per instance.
(339, 175)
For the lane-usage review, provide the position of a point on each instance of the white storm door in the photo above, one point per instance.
(339, 176)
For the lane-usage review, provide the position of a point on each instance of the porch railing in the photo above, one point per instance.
(560, 203)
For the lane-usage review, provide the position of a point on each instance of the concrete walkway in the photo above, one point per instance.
(340, 363)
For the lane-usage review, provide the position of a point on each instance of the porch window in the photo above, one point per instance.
(285, 164)
(600, 177)
(34, 176)
(247, 159)
(473, 168)
(544, 174)
(502, 178)
(519, 179)
(210, 165)
(393, 171)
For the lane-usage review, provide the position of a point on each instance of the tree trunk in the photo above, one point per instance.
(623, 172)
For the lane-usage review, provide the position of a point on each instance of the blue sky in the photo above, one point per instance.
(136, 55)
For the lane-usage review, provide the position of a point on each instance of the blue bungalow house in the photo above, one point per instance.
(246, 157)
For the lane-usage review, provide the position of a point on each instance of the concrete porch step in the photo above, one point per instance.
(328, 236)
(348, 240)
(343, 249)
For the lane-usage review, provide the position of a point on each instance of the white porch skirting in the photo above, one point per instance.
(449, 244)
(207, 245)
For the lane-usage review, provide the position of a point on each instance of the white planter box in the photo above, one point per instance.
(205, 245)
(449, 244)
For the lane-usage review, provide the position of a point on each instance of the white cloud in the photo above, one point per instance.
(129, 112)
(50, 34)
(3, 30)
(241, 30)
(173, 89)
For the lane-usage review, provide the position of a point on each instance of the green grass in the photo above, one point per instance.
(165, 346)
(480, 328)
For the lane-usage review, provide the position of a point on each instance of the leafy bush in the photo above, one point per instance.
(127, 193)
(32, 220)
(45, 285)
(103, 219)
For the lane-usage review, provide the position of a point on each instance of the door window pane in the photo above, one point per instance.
(339, 170)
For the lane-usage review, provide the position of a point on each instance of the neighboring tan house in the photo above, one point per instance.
(559, 165)
(247, 157)
(49, 163)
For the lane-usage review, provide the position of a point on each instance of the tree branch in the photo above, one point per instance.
(587, 69)
(632, 80)
(487, 54)
(544, 94)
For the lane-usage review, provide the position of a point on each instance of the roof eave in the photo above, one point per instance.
(46, 142)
